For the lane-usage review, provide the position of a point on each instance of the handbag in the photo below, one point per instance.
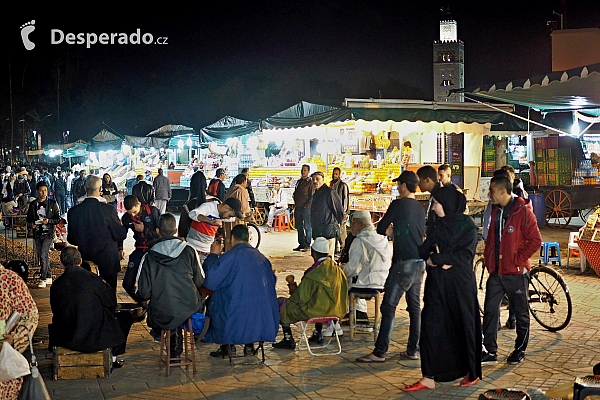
(33, 387)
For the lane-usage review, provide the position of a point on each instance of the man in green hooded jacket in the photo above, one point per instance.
(322, 292)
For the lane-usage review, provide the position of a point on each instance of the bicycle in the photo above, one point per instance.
(254, 231)
(548, 295)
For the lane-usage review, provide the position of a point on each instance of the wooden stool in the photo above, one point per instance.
(71, 364)
(367, 294)
(187, 359)
(320, 320)
(282, 223)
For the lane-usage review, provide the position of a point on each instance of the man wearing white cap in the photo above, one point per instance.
(323, 292)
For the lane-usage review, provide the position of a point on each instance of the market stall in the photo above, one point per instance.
(589, 241)
(565, 173)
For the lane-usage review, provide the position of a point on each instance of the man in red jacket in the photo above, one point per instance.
(513, 237)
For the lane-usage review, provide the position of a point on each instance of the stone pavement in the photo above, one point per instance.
(552, 358)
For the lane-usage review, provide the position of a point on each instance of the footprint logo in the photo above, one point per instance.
(26, 29)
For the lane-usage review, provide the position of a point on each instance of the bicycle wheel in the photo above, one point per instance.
(260, 216)
(481, 276)
(549, 299)
(254, 234)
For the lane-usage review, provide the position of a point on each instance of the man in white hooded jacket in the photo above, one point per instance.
(369, 259)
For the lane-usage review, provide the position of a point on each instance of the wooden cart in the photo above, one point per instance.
(565, 202)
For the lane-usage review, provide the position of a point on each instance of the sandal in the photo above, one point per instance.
(409, 356)
(368, 359)
(415, 387)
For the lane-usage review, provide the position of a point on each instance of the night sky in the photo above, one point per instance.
(253, 60)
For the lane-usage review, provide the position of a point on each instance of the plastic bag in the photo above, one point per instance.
(12, 363)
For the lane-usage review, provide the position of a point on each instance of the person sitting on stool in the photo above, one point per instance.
(278, 206)
(83, 311)
(323, 292)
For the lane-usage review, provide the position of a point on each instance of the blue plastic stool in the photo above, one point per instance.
(550, 253)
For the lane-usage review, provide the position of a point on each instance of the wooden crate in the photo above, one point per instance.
(538, 143)
(552, 179)
(71, 364)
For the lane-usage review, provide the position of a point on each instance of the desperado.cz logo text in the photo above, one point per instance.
(89, 39)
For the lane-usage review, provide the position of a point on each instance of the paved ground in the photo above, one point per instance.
(553, 358)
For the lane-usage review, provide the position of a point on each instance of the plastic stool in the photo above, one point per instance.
(282, 223)
(586, 386)
(367, 294)
(188, 341)
(319, 320)
(546, 251)
(120, 204)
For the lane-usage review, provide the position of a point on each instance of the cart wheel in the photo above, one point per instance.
(559, 208)
(585, 213)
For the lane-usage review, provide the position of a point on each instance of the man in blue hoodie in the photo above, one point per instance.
(241, 276)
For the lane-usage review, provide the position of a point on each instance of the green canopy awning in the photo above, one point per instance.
(306, 114)
(105, 140)
(228, 127)
(499, 120)
(576, 89)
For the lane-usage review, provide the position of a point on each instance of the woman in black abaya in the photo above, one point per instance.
(450, 340)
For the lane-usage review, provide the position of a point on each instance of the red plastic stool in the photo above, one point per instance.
(120, 204)
(282, 223)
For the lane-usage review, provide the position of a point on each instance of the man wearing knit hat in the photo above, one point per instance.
(323, 292)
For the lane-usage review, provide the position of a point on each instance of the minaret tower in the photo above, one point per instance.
(448, 62)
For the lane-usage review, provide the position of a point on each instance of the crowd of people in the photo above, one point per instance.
(204, 263)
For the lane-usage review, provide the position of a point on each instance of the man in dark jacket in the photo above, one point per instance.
(42, 216)
(21, 188)
(216, 187)
(341, 188)
(326, 213)
(143, 221)
(302, 200)
(83, 311)
(95, 228)
(78, 189)
(60, 192)
(143, 191)
(513, 237)
(170, 276)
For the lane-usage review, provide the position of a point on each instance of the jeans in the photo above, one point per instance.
(516, 288)
(42, 249)
(61, 200)
(403, 278)
(69, 200)
(302, 217)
